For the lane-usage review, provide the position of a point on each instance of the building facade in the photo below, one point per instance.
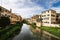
(8, 13)
(50, 18)
(34, 18)
(58, 18)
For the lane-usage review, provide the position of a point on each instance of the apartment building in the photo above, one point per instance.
(50, 18)
(8, 13)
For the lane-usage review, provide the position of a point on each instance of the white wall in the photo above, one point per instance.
(38, 24)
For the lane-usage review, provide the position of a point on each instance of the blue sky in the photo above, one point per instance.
(28, 8)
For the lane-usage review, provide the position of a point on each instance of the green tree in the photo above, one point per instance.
(4, 21)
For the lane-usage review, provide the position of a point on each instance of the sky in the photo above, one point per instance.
(28, 8)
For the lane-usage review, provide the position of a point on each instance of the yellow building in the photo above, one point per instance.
(8, 13)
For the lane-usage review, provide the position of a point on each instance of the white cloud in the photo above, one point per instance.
(27, 12)
(25, 8)
(57, 9)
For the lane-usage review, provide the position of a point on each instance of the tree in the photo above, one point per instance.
(4, 21)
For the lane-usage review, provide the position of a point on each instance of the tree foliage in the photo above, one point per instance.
(4, 21)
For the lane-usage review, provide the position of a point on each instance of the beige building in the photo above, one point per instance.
(50, 18)
(8, 13)
(34, 18)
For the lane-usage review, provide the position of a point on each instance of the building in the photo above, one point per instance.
(14, 18)
(34, 18)
(8, 13)
(50, 18)
(39, 21)
(58, 18)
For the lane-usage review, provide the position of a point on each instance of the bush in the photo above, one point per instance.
(33, 25)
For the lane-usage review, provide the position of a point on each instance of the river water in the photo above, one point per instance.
(27, 34)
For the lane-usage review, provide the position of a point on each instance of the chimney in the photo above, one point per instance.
(10, 10)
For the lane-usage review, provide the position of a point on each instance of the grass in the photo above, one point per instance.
(8, 31)
(52, 30)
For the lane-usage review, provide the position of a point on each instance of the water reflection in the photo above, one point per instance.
(25, 33)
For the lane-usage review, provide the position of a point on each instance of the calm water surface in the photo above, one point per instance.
(25, 33)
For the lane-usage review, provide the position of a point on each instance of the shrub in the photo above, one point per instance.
(33, 25)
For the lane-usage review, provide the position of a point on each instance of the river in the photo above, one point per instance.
(27, 34)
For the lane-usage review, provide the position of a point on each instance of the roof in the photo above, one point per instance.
(49, 10)
(4, 8)
(35, 16)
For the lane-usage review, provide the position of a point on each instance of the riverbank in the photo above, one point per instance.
(53, 30)
(10, 31)
(47, 32)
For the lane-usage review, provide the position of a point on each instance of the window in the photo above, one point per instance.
(46, 22)
(53, 15)
(5, 10)
(48, 15)
(43, 15)
(53, 19)
(57, 16)
(46, 18)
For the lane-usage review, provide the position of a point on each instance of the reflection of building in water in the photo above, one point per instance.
(8, 13)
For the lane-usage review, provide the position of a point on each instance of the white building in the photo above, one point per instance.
(49, 18)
